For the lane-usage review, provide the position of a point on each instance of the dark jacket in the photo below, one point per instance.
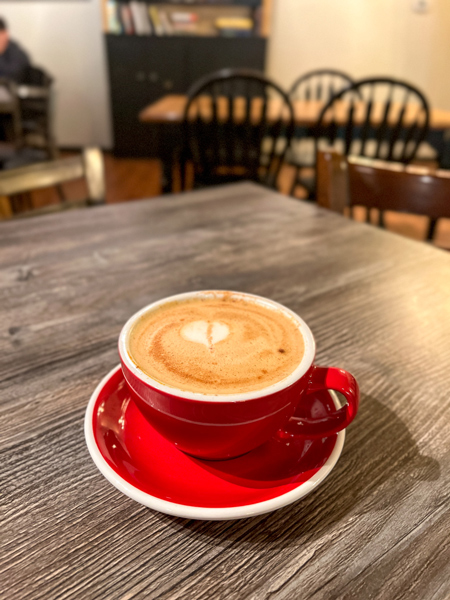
(13, 62)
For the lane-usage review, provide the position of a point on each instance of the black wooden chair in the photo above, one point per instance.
(321, 84)
(35, 97)
(380, 118)
(237, 125)
(315, 86)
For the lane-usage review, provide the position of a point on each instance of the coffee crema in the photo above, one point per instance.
(223, 344)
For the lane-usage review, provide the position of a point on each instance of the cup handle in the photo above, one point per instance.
(326, 378)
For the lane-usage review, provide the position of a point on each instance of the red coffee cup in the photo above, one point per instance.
(225, 426)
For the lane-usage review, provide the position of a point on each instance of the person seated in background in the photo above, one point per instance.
(13, 60)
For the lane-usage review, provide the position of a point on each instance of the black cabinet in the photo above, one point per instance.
(210, 54)
(144, 68)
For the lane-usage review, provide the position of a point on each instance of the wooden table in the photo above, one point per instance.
(377, 528)
(168, 111)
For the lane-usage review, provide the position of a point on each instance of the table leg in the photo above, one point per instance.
(169, 144)
(166, 175)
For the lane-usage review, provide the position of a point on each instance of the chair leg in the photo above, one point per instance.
(381, 222)
(182, 174)
(17, 128)
(52, 149)
(431, 229)
(61, 193)
(295, 183)
(5, 208)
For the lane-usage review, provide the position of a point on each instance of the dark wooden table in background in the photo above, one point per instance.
(379, 306)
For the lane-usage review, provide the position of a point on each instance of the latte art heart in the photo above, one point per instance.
(203, 332)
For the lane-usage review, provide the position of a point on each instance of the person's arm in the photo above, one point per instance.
(13, 62)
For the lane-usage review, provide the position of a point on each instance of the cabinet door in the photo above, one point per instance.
(142, 69)
(205, 55)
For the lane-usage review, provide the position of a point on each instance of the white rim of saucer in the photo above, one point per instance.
(299, 371)
(199, 512)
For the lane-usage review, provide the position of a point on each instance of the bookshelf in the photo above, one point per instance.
(194, 38)
(165, 18)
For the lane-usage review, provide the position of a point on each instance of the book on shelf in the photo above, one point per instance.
(127, 19)
(184, 17)
(112, 17)
(165, 22)
(184, 23)
(234, 26)
(141, 20)
(155, 18)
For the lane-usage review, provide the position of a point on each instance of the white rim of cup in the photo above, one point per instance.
(199, 512)
(299, 371)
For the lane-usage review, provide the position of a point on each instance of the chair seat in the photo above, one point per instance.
(19, 182)
(22, 158)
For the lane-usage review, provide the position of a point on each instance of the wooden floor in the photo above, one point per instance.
(132, 179)
(126, 179)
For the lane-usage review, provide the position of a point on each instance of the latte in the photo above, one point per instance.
(219, 344)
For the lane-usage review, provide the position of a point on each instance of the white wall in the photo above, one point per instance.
(364, 38)
(64, 36)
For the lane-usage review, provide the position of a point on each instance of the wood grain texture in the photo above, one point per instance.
(378, 305)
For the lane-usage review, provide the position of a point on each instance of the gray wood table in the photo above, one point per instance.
(379, 306)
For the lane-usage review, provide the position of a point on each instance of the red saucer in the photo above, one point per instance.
(141, 463)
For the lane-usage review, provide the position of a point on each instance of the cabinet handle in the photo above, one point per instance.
(140, 76)
(153, 76)
(168, 84)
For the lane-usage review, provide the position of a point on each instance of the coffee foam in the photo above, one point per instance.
(223, 344)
